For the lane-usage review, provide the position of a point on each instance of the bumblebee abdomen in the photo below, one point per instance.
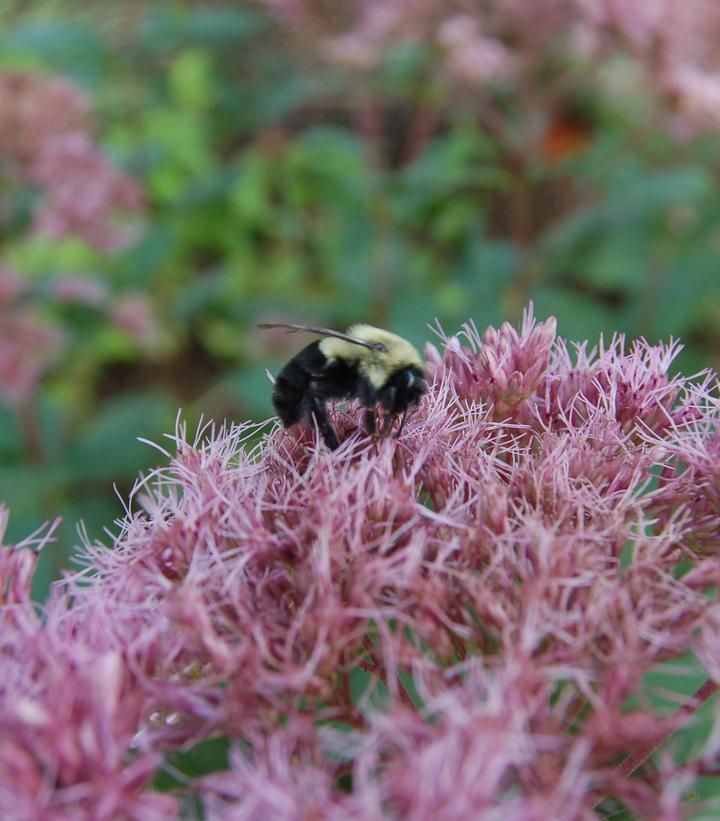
(307, 376)
(291, 388)
(287, 401)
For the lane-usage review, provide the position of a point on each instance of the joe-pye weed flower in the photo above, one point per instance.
(455, 624)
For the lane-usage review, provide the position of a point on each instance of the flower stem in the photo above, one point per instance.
(701, 695)
(628, 766)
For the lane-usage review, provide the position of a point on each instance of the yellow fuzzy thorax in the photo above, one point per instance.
(377, 366)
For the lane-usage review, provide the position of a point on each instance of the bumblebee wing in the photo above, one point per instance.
(290, 328)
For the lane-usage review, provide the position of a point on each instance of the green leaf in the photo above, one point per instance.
(10, 435)
(619, 262)
(250, 389)
(202, 759)
(683, 297)
(403, 66)
(632, 203)
(191, 81)
(107, 448)
(250, 195)
(579, 316)
(64, 46)
(43, 255)
(167, 29)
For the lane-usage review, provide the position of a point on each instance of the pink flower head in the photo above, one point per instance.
(668, 49)
(502, 367)
(68, 717)
(81, 290)
(134, 314)
(689, 481)
(84, 191)
(472, 56)
(35, 107)
(17, 563)
(460, 621)
(68, 711)
(11, 287)
(286, 777)
(45, 133)
(29, 345)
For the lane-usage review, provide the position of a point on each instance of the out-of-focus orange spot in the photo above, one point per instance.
(563, 138)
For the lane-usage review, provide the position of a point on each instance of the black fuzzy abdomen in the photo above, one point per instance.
(306, 376)
(291, 386)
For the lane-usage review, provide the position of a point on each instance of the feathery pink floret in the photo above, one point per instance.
(69, 710)
(502, 367)
(454, 621)
(17, 563)
(286, 777)
(689, 478)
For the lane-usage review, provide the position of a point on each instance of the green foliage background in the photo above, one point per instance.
(277, 186)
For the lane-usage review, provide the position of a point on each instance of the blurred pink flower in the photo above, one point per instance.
(83, 191)
(379, 24)
(133, 313)
(67, 720)
(671, 45)
(80, 290)
(45, 139)
(697, 95)
(35, 108)
(472, 56)
(30, 341)
(29, 345)
(286, 778)
(11, 287)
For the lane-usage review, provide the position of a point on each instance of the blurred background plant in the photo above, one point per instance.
(171, 173)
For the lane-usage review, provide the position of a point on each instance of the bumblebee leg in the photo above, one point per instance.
(318, 412)
(369, 420)
(402, 424)
(389, 406)
(387, 426)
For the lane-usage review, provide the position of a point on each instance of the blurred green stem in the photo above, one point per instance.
(30, 427)
(521, 226)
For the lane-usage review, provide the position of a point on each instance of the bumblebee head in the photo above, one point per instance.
(403, 390)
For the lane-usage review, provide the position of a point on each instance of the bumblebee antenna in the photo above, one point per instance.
(290, 328)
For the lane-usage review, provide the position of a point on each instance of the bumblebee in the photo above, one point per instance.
(369, 364)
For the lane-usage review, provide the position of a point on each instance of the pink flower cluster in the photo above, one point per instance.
(31, 342)
(511, 44)
(454, 624)
(68, 713)
(46, 142)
